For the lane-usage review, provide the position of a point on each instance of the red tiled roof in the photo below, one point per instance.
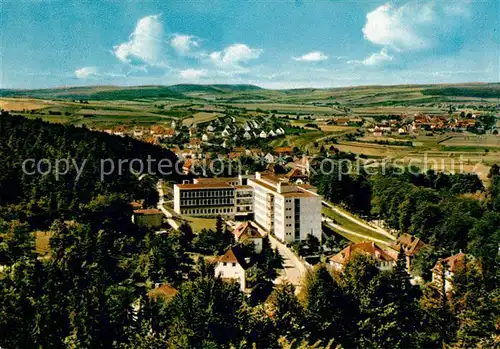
(136, 205)
(412, 245)
(247, 230)
(364, 247)
(187, 164)
(165, 292)
(234, 255)
(454, 262)
(295, 173)
(283, 150)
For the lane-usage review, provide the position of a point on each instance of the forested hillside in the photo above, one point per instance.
(95, 287)
(40, 193)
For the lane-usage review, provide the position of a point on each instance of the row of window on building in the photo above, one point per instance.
(207, 202)
(208, 211)
(206, 193)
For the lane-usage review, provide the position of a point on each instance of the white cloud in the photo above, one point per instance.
(193, 74)
(375, 58)
(399, 28)
(86, 72)
(314, 56)
(413, 26)
(232, 56)
(183, 44)
(145, 44)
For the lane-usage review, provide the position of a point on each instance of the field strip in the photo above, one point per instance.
(350, 232)
(359, 222)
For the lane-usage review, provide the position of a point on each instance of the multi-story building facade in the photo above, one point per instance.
(214, 196)
(207, 199)
(287, 210)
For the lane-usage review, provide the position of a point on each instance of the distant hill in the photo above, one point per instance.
(216, 88)
(241, 92)
(127, 93)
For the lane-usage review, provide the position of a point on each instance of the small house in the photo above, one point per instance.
(232, 266)
(151, 218)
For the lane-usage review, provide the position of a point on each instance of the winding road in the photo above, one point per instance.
(161, 202)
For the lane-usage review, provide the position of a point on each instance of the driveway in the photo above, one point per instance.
(160, 206)
(294, 270)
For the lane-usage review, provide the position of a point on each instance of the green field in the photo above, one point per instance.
(352, 226)
(107, 106)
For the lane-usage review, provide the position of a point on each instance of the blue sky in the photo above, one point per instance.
(271, 43)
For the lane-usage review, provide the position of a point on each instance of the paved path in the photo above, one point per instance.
(359, 222)
(161, 201)
(294, 270)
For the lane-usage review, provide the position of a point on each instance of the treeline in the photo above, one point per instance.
(480, 92)
(94, 291)
(41, 192)
(444, 210)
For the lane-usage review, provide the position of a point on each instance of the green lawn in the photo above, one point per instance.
(350, 225)
(198, 223)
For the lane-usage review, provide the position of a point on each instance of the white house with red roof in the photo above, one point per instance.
(232, 265)
(385, 261)
(250, 231)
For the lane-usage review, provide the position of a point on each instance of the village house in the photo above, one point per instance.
(341, 121)
(247, 135)
(282, 151)
(411, 246)
(151, 218)
(187, 166)
(246, 127)
(270, 158)
(271, 134)
(232, 266)
(249, 231)
(165, 292)
(263, 134)
(194, 143)
(138, 132)
(296, 175)
(384, 260)
(206, 137)
(120, 131)
(447, 267)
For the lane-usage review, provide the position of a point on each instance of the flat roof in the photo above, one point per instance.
(222, 185)
(148, 211)
(263, 184)
(296, 193)
(216, 180)
(299, 194)
(243, 187)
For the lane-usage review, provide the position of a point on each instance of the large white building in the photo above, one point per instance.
(287, 210)
(214, 196)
